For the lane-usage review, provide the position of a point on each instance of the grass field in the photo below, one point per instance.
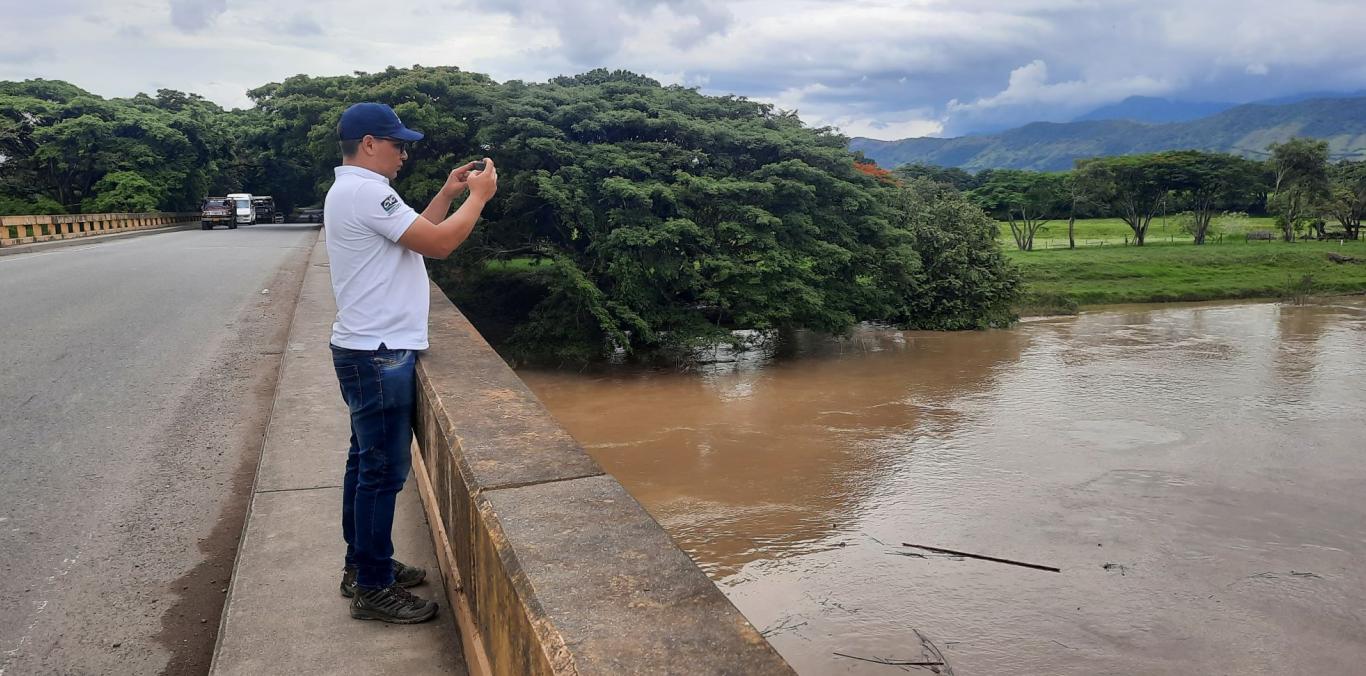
(1162, 231)
(1060, 279)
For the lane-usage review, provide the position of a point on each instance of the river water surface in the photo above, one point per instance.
(1198, 474)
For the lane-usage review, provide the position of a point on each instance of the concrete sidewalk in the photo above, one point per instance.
(283, 613)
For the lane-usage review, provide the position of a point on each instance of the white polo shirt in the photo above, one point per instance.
(380, 285)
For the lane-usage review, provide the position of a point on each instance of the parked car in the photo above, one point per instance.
(217, 211)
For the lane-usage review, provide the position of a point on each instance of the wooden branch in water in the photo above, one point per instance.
(929, 645)
(892, 663)
(984, 558)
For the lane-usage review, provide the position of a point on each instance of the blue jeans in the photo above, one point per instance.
(379, 386)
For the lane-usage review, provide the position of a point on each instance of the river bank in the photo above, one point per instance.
(1059, 281)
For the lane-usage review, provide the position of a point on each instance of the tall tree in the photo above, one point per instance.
(122, 191)
(1300, 182)
(1133, 187)
(60, 141)
(1208, 183)
(1346, 200)
(1026, 200)
(1078, 202)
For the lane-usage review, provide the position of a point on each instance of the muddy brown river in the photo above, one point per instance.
(1198, 474)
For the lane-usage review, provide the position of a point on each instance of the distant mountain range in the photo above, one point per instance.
(1140, 125)
(1155, 110)
(1158, 111)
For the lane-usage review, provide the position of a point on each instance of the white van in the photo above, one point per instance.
(246, 215)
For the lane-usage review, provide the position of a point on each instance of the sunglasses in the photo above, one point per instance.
(404, 147)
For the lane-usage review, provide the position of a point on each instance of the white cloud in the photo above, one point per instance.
(888, 130)
(592, 31)
(1029, 85)
(888, 126)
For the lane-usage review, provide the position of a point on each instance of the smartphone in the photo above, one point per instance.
(478, 166)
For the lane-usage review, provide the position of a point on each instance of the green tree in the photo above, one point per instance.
(1027, 200)
(651, 219)
(1300, 182)
(41, 204)
(122, 191)
(1211, 183)
(262, 162)
(60, 141)
(1346, 200)
(290, 136)
(1131, 187)
(946, 271)
(1078, 202)
(951, 176)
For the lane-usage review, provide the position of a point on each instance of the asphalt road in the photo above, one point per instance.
(136, 378)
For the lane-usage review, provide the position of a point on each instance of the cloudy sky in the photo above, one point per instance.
(880, 68)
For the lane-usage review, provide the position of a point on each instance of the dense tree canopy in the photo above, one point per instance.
(1209, 183)
(1300, 169)
(632, 218)
(62, 147)
(951, 176)
(1346, 200)
(1026, 200)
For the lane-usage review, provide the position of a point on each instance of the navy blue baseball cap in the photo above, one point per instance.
(374, 119)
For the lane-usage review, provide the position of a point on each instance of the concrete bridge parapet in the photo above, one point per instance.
(16, 230)
(551, 567)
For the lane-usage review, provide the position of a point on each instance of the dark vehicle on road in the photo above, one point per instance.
(264, 207)
(309, 214)
(217, 211)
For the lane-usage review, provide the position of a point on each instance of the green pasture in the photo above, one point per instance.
(1163, 230)
(1061, 279)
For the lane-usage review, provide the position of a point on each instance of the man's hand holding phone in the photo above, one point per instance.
(458, 180)
(482, 179)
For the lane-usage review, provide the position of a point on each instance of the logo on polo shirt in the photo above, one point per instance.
(389, 204)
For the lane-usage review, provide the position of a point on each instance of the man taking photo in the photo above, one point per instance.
(376, 243)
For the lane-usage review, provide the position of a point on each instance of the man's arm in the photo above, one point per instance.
(439, 206)
(436, 238)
